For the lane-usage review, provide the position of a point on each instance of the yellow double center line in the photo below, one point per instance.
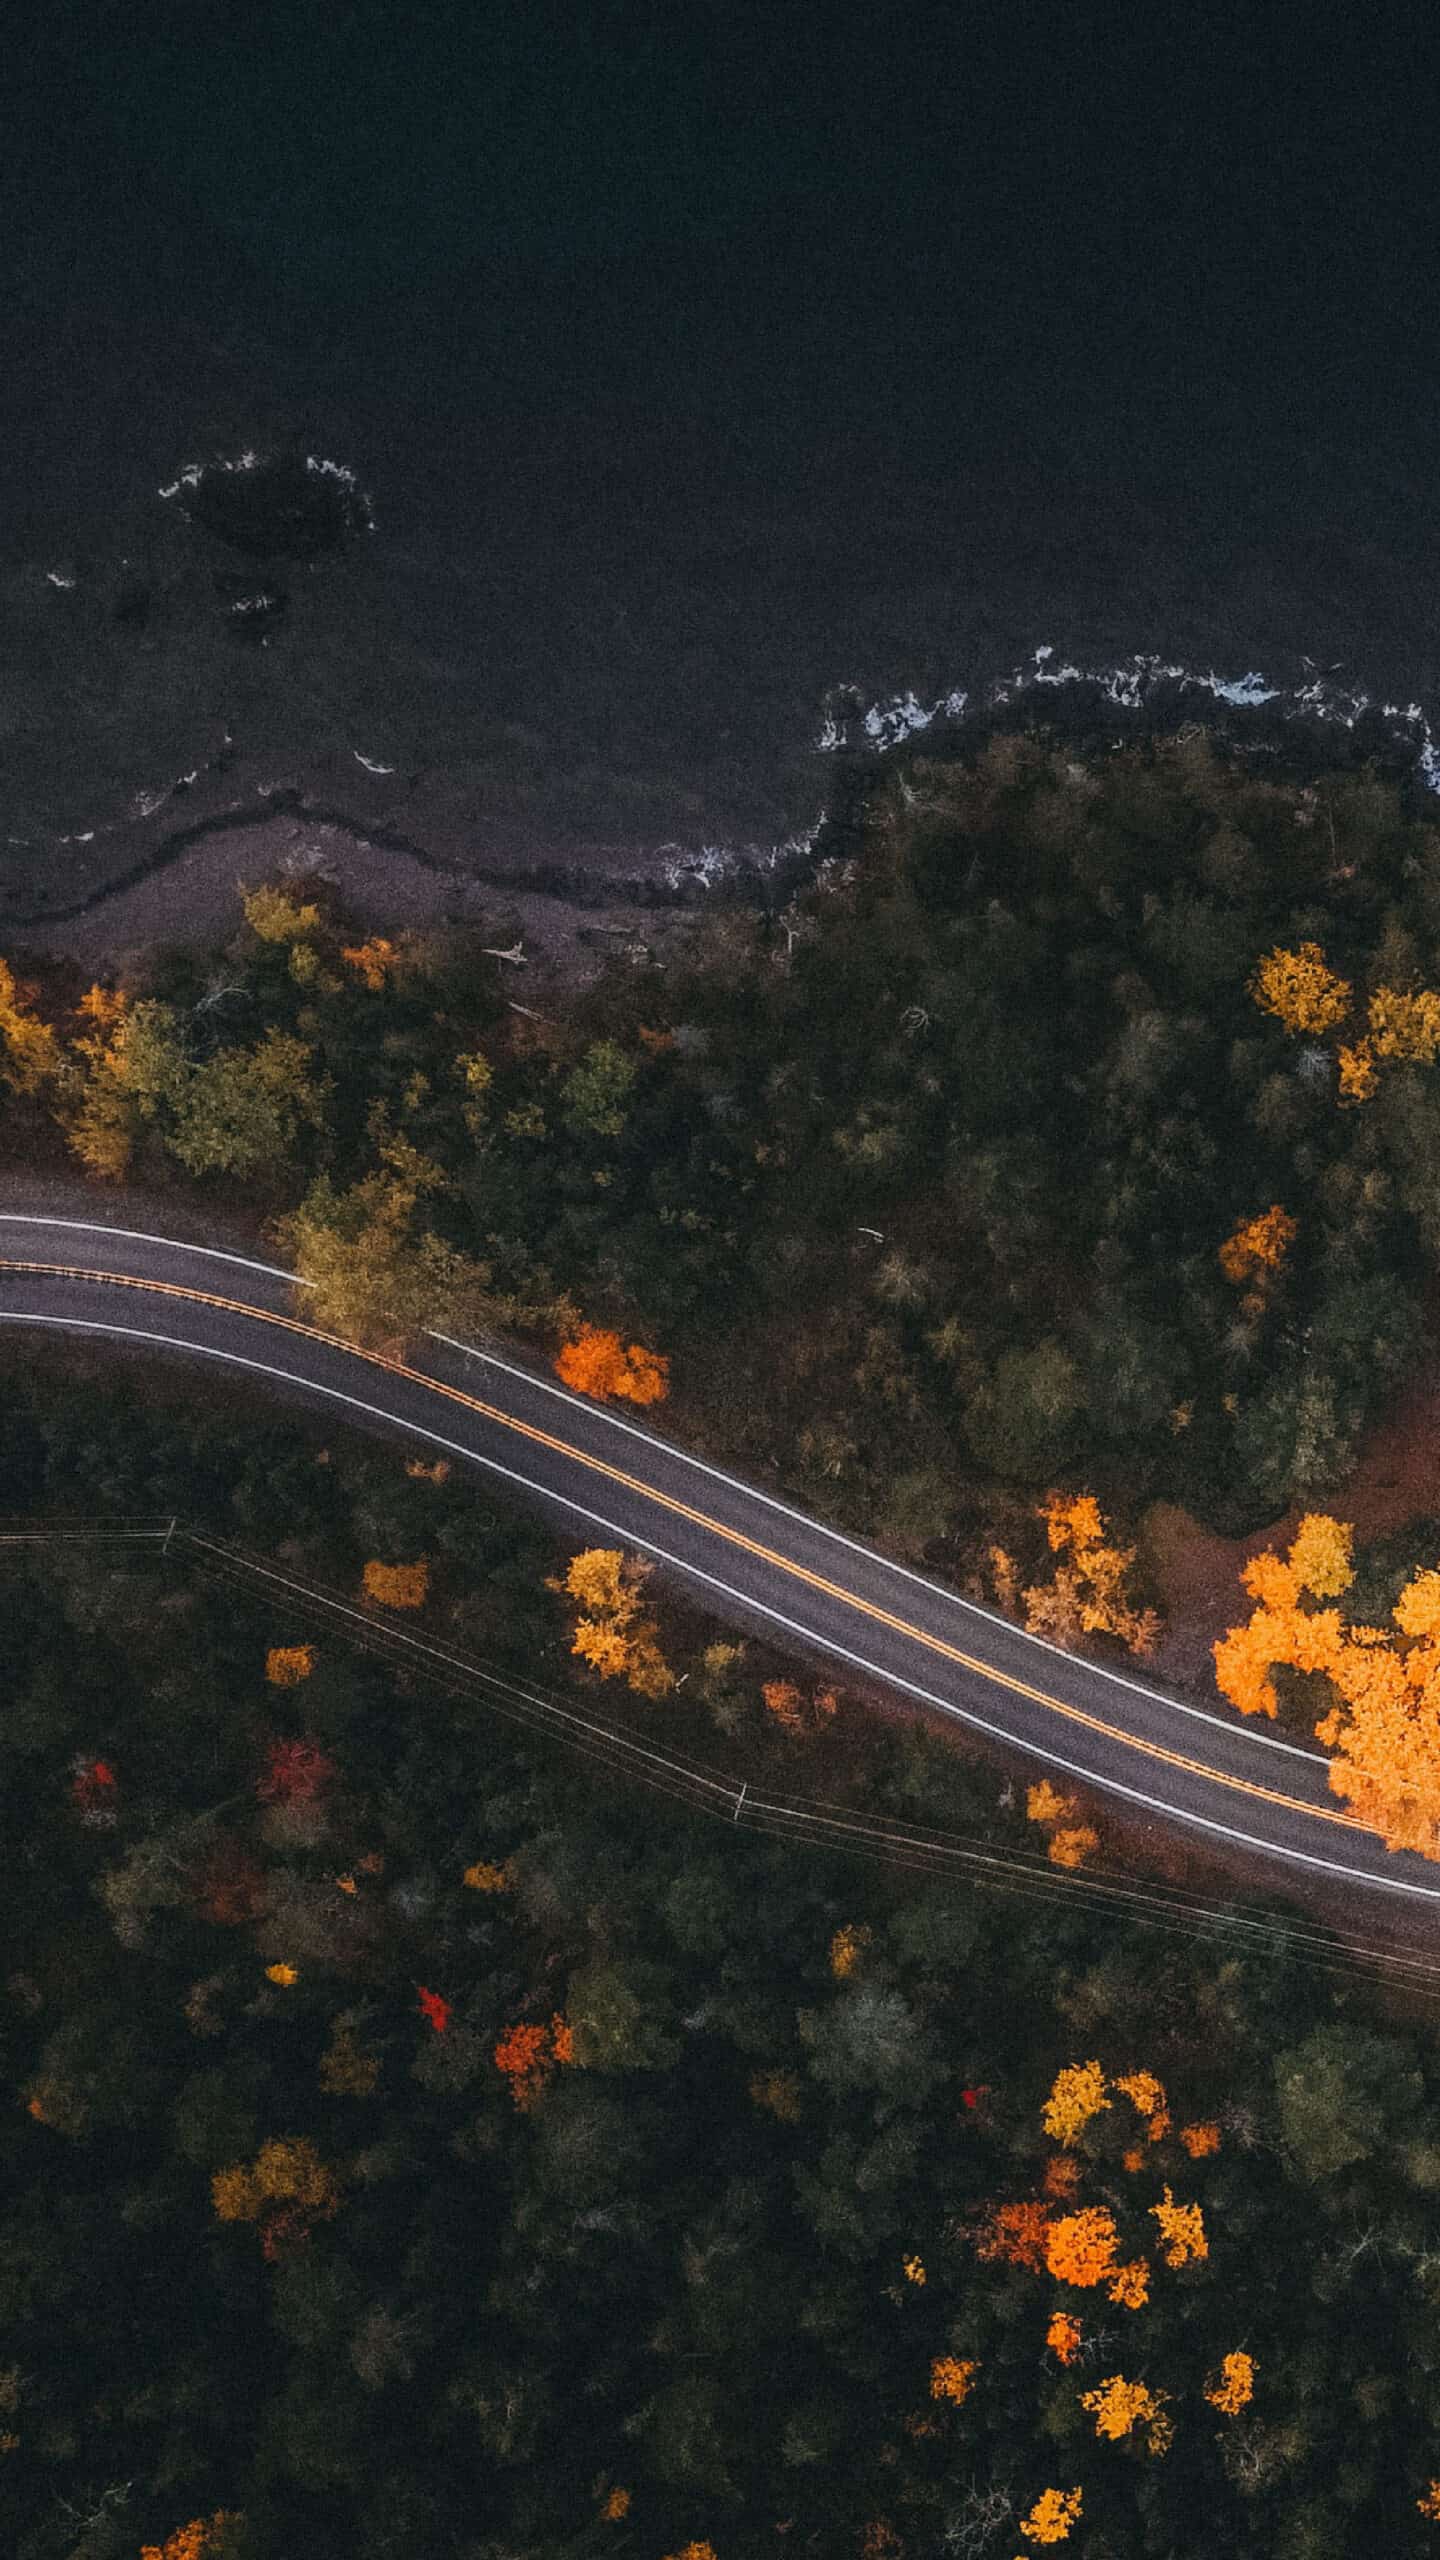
(699, 1520)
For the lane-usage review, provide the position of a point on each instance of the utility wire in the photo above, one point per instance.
(1184, 1911)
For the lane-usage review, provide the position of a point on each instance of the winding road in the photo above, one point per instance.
(756, 1562)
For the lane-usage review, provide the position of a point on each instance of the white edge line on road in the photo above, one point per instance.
(1246, 1733)
(696, 1573)
(141, 1235)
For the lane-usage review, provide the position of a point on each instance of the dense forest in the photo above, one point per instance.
(424, 2141)
(420, 2141)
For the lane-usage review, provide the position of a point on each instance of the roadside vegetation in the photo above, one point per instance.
(1075, 1139)
(417, 2141)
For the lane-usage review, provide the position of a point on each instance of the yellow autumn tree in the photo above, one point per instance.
(1129, 2287)
(1053, 2517)
(1233, 2387)
(1182, 2228)
(1147, 2096)
(286, 1665)
(846, 1949)
(952, 2377)
(612, 1633)
(1383, 1727)
(1088, 1595)
(280, 2174)
(30, 1052)
(1120, 2406)
(1078, 2095)
(274, 916)
(1405, 1027)
(1299, 989)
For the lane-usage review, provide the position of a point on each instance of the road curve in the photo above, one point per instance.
(757, 1562)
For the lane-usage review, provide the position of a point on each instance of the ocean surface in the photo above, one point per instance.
(645, 498)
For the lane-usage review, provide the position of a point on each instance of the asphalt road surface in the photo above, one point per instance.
(1260, 1800)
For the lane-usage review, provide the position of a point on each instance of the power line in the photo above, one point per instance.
(993, 1866)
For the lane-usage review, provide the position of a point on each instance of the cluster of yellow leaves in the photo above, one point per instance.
(951, 2377)
(793, 1712)
(1182, 2228)
(397, 1586)
(613, 1635)
(1080, 2247)
(1258, 1247)
(1063, 2337)
(420, 1471)
(1129, 2287)
(191, 2541)
(1053, 2515)
(1200, 2140)
(914, 2270)
(485, 1877)
(693, 2551)
(1147, 2096)
(282, 2173)
(778, 2092)
(1088, 1595)
(1318, 1564)
(1296, 986)
(1233, 2388)
(1070, 1842)
(274, 917)
(846, 1949)
(1078, 2095)
(286, 1665)
(1429, 2505)
(1120, 2406)
(615, 2505)
(597, 1363)
(1384, 1728)
(1403, 1027)
(30, 1053)
(284, 1974)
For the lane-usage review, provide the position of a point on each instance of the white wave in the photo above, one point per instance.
(1129, 686)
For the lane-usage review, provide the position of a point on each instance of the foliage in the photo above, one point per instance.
(597, 1364)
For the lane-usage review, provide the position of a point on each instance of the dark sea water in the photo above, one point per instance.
(687, 384)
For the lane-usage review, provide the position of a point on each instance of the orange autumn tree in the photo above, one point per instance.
(1053, 2516)
(1383, 1725)
(596, 1363)
(1016, 2234)
(1298, 988)
(612, 1633)
(1120, 2406)
(790, 1708)
(1088, 1595)
(397, 1586)
(1233, 2387)
(1257, 1250)
(198, 2540)
(1080, 2247)
(1070, 1841)
(1063, 2337)
(952, 2377)
(526, 2056)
